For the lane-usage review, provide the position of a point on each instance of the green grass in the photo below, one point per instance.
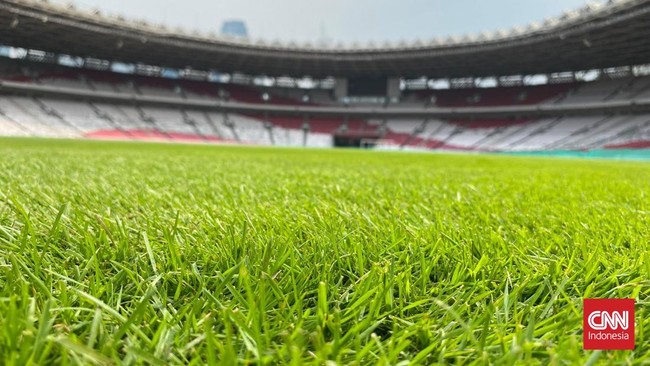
(124, 253)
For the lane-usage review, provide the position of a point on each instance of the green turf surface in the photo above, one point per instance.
(124, 253)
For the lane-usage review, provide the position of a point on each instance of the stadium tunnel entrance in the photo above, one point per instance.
(360, 140)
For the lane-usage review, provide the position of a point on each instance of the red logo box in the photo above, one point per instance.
(608, 324)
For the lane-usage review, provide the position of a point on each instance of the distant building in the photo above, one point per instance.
(235, 28)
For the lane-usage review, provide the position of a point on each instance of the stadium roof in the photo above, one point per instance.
(594, 37)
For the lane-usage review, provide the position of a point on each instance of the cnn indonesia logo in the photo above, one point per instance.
(608, 324)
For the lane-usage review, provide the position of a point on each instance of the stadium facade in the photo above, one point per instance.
(578, 81)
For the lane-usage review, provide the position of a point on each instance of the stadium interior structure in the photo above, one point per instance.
(577, 82)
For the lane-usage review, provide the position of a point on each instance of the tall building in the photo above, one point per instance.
(235, 28)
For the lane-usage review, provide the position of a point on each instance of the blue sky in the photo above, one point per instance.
(340, 20)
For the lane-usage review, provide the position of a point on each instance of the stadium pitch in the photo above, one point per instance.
(126, 253)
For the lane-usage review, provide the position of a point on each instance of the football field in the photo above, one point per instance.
(129, 253)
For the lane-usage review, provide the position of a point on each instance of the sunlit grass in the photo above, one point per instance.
(123, 253)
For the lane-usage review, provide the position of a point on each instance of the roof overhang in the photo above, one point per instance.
(608, 36)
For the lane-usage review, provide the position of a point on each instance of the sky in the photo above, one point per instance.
(339, 21)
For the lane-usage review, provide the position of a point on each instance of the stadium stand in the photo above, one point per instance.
(42, 96)
(55, 117)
